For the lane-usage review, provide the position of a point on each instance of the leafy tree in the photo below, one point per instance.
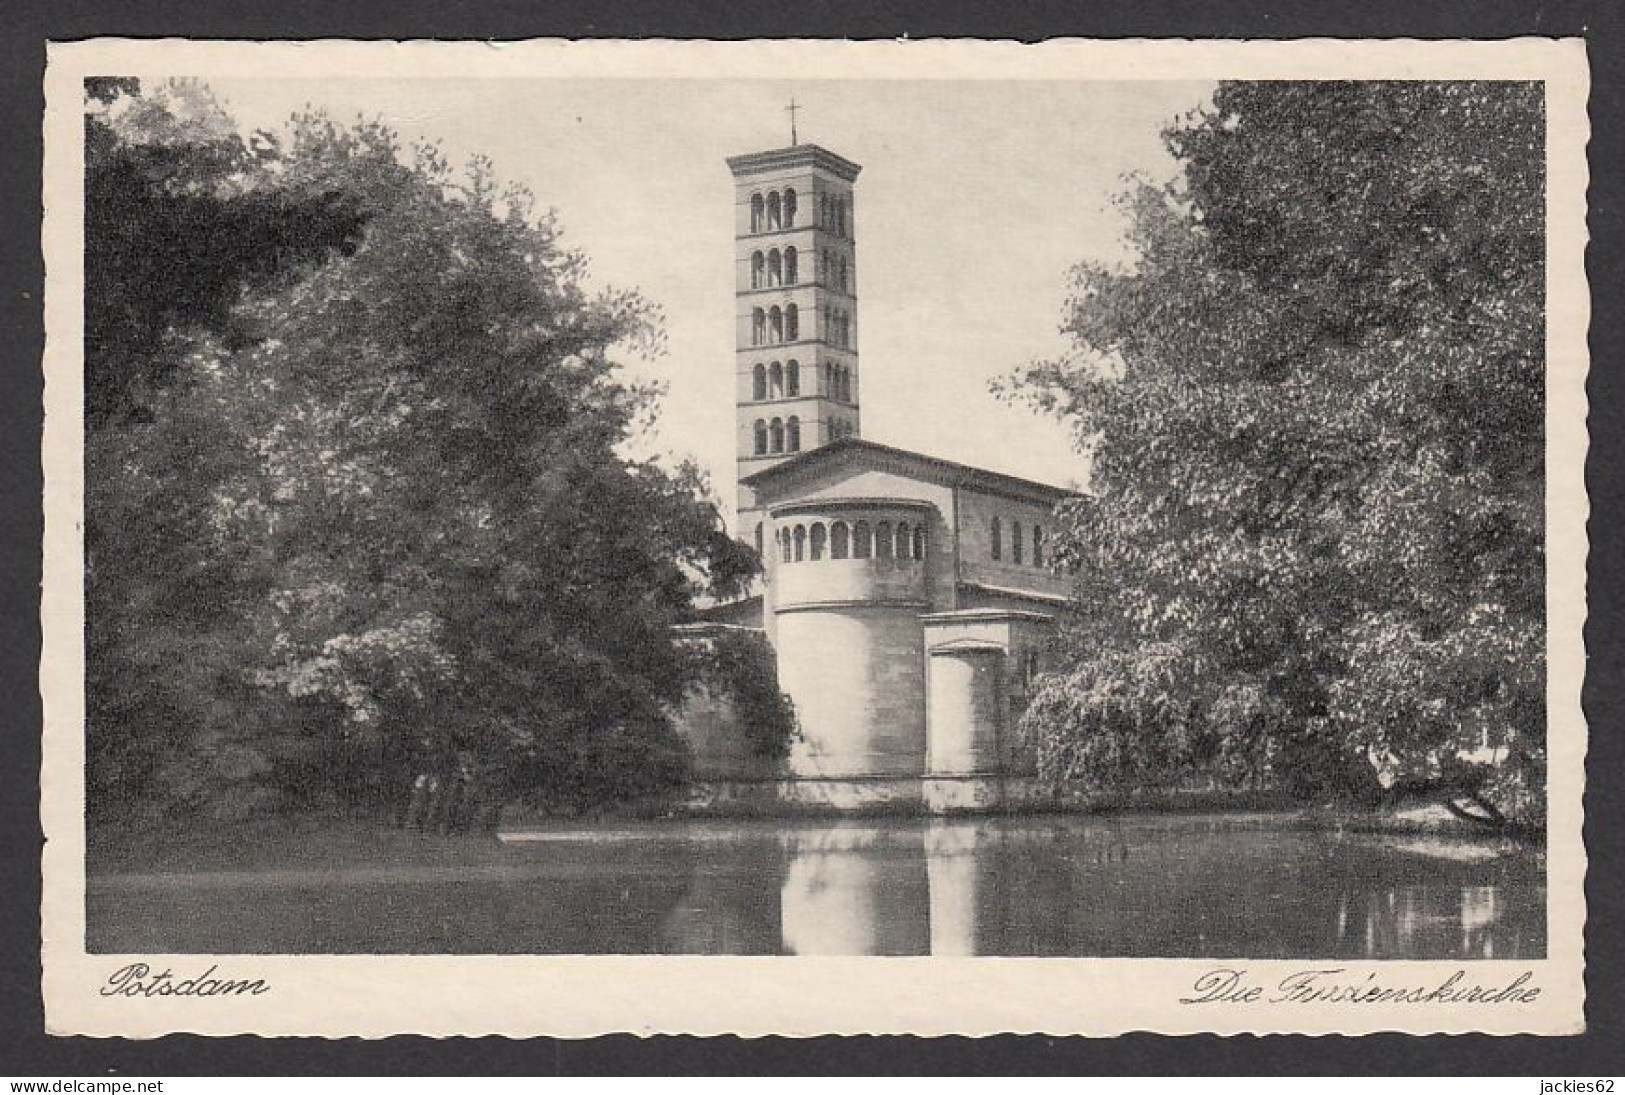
(1314, 402)
(742, 667)
(392, 487)
(181, 215)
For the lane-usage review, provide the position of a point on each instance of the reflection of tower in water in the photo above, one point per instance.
(855, 890)
(948, 888)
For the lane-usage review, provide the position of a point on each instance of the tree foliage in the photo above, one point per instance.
(373, 515)
(742, 667)
(1315, 406)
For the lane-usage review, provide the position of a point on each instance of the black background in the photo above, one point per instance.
(25, 1050)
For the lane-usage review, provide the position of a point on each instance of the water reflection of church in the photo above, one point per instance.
(907, 598)
(1131, 889)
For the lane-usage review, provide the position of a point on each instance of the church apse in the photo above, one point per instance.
(850, 586)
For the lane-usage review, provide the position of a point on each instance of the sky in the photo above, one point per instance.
(975, 200)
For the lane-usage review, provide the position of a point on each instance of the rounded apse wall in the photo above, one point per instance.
(856, 674)
(848, 589)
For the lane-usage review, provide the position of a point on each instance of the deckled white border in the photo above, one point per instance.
(580, 996)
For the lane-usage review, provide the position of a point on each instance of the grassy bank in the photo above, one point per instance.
(327, 839)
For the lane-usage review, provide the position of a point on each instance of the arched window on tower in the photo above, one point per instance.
(790, 262)
(758, 383)
(775, 268)
(1038, 546)
(883, 541)
(793, 434)
(790, 208)
(838, 540)
(758, 327)
(816, 543)
(995, 535)
(756, 212)
(775, 323)
(761, 437)
(775, 381)
(919, 541)
(792, 378)
(1015, 541)
(801, 543)
(844, 285)
(776, 434)
(775, 212)
(862, 545)
(846, 384)
(758, 265)
(792, 323)
(902, 540)
(784, 545)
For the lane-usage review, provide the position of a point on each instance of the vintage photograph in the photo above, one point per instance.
(827, 514)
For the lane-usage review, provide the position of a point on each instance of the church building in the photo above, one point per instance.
(907, 598)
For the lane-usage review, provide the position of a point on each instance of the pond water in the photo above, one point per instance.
(1143, 886)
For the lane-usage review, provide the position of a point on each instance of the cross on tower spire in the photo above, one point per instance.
(792, 108)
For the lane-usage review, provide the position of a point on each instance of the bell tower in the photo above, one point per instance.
(795, 310)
